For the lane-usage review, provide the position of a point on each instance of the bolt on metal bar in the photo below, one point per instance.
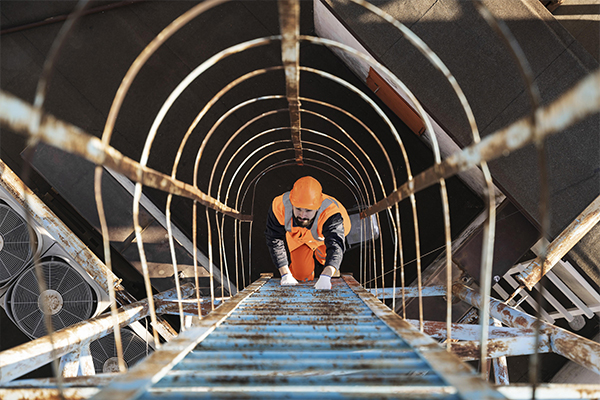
(133, 384)
(289, 24)
(29, 356)
(560, 246)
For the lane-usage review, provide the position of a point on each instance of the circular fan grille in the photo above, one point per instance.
(15, 250)
(69, 298)
(104, 351)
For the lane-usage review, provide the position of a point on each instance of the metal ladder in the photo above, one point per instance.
(273, 342)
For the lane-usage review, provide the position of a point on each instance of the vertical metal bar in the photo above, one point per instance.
(487, 258)
(210, 259)
(174, 260)
(69, 364)
(140, 245)
(86, 361)
(289, 24)
(108, 260)
(38, 106)
(195, 247)
(500, 365)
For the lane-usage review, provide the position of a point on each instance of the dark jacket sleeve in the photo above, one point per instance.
(275, 237)
(333, 232)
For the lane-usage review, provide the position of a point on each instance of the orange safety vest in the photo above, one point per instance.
(296, 236)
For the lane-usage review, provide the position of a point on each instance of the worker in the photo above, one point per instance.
(314, 226)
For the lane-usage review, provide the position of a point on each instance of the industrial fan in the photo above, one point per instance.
(15, 248)
(67, 298)
(104, 351)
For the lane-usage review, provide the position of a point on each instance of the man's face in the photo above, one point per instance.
(303, 215)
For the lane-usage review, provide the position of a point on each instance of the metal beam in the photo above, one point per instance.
(501, 376)
(578, 349)
(17, 115)
(517, 346)
(561, 245)
(69, 364)
(426, 291)
(576, 104)
(44, 217)
(437, 329)
(48, 394)
(289, 24)
(29, 356)
(551, 391)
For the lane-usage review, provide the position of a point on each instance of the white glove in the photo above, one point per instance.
(324, 282)
(288, 280)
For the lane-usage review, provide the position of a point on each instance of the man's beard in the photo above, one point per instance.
(303, 222)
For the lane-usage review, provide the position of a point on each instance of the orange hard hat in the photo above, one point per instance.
(307, 193)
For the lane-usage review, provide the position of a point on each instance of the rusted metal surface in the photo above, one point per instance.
(44, 217)
(516, 346)
(578, 349)
(437, 329)
(27, 357)
(576, 104)
(48, 383)
(69, 363)
(48, 394)
(270, 347)
(551, 391)
(17, 115)
(144, 374)
(189, 308)
(500, 364)
(489, 224)
(458, 374)
(561, 245)
(86, 361)
(289, 24)
(426, 291)
(164, 328)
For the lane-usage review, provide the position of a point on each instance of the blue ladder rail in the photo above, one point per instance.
(296, 342)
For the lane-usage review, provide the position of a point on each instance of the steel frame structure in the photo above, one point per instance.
(576, 104)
